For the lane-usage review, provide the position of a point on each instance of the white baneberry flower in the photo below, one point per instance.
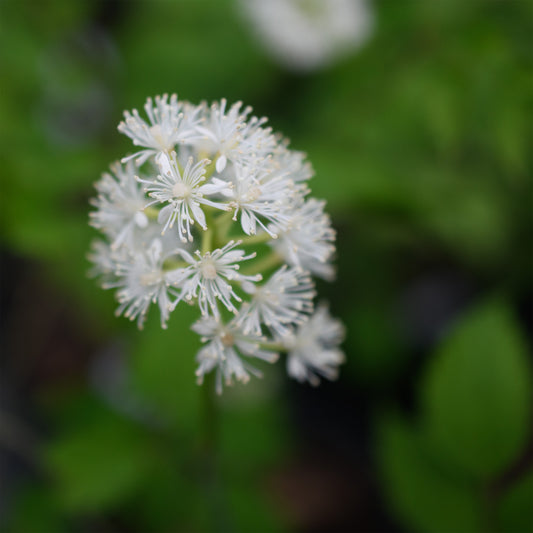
(221, 131)
(308, 242)
(170, 123)
(286, 299)
(256, 142)
(261, 195)
(206, 278)
(183, 193)
(104, 260)
(305, 35)
(141, 281)
(292, 162)
(313, 348)
(119, 205)
(153, 209)
(226, 344)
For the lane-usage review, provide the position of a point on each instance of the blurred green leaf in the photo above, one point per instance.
(99, 465)
(375, 343)
(476, 394)
(423, 494)
(515, 509)
(250, 509)
(35, 509)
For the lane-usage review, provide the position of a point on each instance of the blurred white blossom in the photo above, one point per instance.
(306, 35)
(314, 348)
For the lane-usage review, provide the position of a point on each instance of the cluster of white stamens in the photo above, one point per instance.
(208, 190)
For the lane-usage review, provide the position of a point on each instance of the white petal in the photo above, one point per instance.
(164, 163)
(221, 163)
(247, 223)
(141, 219)
(157, 248)
(198, 214)
(165, 213)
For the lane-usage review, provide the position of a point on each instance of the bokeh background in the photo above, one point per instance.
(421, 142)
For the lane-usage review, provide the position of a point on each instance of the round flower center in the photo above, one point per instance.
(253, 194)
(150, 278)
(227, 339)
(180, 190)
(209, 270)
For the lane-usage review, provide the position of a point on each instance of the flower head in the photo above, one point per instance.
(313, 348)
(169, 123)
(182, 193)
(308, 242)
(261, 197)
(284, 300)
(226, 344)
(141, 281)
(119, 205)
(209, 277)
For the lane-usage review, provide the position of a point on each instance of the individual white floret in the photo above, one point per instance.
(229, 136)
(119, 205)
(207, 277)
(256, 143)
(313, 348)
(261, 197)
(221, 131)
(308, 34)
(104, 260)
(292, 162)
(141, 281)
(225, 346)
(183, 192)
(286, 299)
(308, 242)
(169, 122)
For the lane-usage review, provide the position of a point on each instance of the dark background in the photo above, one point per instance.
(421, 142)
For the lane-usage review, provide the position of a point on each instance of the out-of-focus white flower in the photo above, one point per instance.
(141, 281)
(120, 205)
(226, 343)
(284, 300)
(308, 242)
(292, 162)
(183, 193)
(206, 278)
(305, 35)
(104, 260)
(313, 348)
(170, 123)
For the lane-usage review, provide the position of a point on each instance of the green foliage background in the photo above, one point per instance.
(421, 143)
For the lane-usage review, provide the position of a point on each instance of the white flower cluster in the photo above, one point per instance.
(306, 35)
(213, 210)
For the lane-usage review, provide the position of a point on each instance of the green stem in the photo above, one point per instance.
(207, 239)
(173, 264)
(258, 238)
(210, 457)
(271, 261)
(223, 224)
(210, 429)
(274, 346)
